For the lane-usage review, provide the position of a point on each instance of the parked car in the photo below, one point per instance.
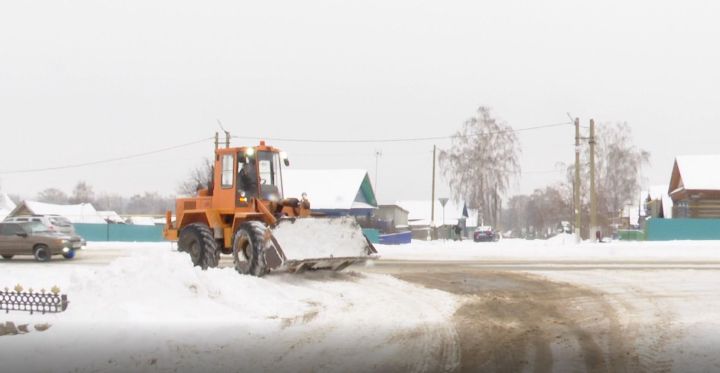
(33, 238)
(54, 223)
(484, 234)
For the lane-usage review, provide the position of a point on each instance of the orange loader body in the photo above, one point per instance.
(235, 214)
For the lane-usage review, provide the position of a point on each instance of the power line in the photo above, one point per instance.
(108, 160)
(388, 140)
(405, 139)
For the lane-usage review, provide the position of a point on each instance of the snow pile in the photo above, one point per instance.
(321, 238)
(153, 311)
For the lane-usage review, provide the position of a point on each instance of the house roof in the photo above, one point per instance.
(331, 189)
(419, 212)
(695, 172)
(81, 213)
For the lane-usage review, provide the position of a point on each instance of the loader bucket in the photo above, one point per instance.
(318, 243)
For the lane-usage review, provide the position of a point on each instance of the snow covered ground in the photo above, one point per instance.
(667, 293)
(673, 315)
(559, 248)
(151, 310)
(147, 309)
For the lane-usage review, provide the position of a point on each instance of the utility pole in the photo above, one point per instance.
(227, 135)
(593, 196)
(217, 141)
(577, 180)
(432, 202)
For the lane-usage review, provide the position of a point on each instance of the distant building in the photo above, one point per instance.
(80, 213)
(657, 202)
(424, 226)
(393, 218)
(332, 192)
(695, 187)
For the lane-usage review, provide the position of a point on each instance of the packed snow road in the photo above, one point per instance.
(560, 318)
(440, 306)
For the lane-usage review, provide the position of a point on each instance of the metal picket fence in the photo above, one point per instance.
(32, 301)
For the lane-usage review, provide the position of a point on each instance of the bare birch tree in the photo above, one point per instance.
(618, 164)
(199, 178)
(52, 195)
(480, 162)
(82, 193)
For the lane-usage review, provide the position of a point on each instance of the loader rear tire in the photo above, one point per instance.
(249, 249)
(198, 241)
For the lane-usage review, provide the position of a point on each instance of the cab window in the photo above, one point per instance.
(269, 172)
(247, 178)
(227, 171)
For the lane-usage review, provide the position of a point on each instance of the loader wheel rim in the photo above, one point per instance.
(248, 249)
(242, 249)
(194, 251)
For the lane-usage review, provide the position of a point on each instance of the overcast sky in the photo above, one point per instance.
(89, 80)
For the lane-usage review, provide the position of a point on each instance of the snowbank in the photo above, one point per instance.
(153, 311)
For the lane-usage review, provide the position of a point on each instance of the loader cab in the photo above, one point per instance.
(247, 173)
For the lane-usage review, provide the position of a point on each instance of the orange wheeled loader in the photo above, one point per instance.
(244, 213)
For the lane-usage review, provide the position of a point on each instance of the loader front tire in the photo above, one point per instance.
(249, 249)
(198, 241)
